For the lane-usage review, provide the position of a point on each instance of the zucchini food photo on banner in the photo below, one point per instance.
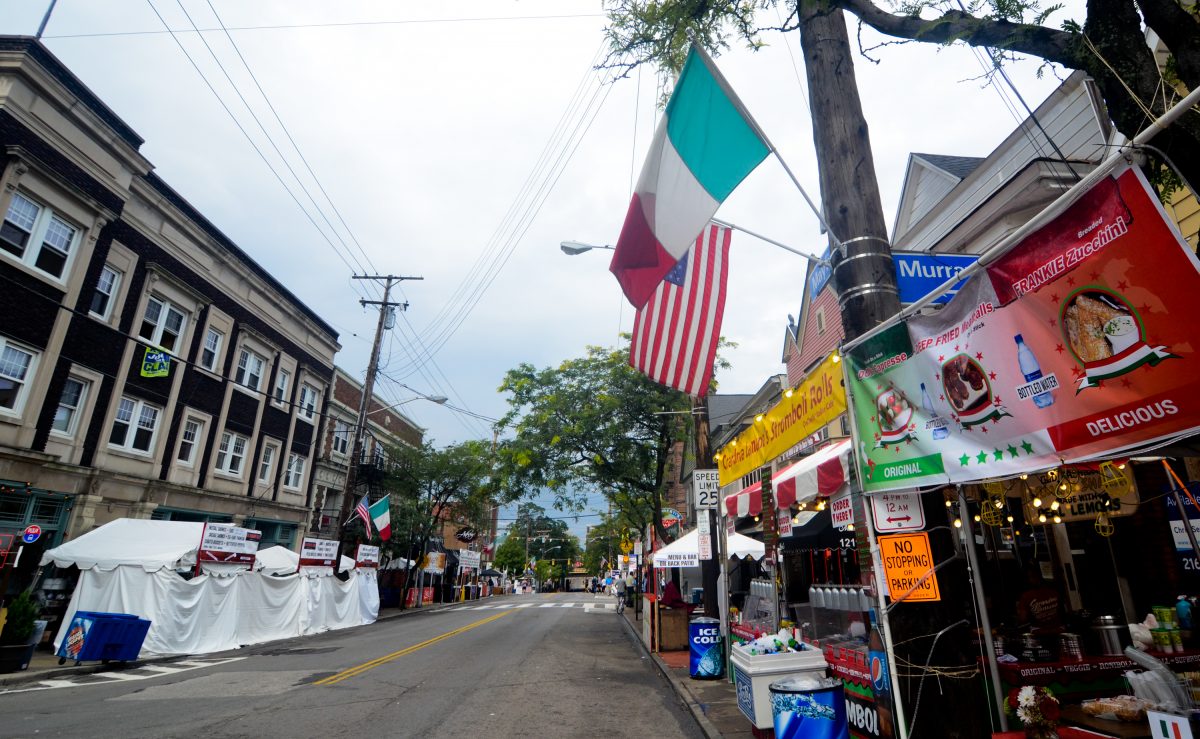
(1076, 343)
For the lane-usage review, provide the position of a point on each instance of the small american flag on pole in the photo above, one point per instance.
(675, 334)
(360, 511)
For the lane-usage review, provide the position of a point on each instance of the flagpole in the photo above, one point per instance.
(741, 108)
(785, 247)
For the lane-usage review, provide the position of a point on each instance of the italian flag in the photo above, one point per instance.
(381, 515)
(704, 146)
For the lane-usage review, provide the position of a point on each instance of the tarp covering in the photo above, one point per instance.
(207, 613)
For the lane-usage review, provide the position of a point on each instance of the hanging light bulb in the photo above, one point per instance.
(1121, 466)
(756, 519)
(1062, 486)
(999, 502)
(1037, 502)
(958, 523)
(849, 527)
(1017, 532)
(836, 357)
(758, 418)
(1042, 518)
(1024, 477)
(1058, 519)
(1054, 506)
(1010, 519)
(820, 505)
(948, 503)
(977, 519)
(789, 393)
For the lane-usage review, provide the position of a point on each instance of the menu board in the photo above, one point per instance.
(368, 556)
(318, 552)
(226, 543)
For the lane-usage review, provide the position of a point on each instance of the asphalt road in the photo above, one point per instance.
(536, 669)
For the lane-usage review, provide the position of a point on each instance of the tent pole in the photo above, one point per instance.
(985, 624)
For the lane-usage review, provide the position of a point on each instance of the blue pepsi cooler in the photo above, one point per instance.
(809, 708)
(706, 658)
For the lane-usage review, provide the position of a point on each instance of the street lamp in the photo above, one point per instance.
(573, 248)
(439, 399)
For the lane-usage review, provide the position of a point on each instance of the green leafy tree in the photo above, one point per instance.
(1109, 44)
(428, 485)
(510, 556)
(593, 423)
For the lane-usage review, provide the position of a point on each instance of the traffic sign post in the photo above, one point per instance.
(897, 512)
(908, 567)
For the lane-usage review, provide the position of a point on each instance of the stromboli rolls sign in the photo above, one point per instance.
(1075, 343)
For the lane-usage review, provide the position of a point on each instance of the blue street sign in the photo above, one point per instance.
(920, 273)
(820, 275)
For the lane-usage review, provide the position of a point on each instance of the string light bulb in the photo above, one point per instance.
(1024, 477)
(958, 523)
(1058, 519)
(821, 505)
(1042, 518)
(836, 357)
(948, 503)
(758, 418)
(1037, 502)
(1010, 519)
(1055, 505)
(977, 518)
(849, 527)
(999, 503)
(789, 393)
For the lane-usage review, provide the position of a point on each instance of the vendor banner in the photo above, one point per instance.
(367, 556)
(818, 400)
(1074, 344)
(468, 560)
(318, 552)
(222, 542)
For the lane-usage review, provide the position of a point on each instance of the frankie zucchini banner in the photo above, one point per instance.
(1080, 341)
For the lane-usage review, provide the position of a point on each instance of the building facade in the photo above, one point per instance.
(149, 367)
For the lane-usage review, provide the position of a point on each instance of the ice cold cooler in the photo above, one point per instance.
(809, 708)
(706, 658)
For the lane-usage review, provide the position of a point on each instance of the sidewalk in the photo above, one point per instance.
(713, 703)
(44, 665)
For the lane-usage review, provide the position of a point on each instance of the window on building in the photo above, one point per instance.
(250, 369)
(231, 455)
(36, 236)
(66, 416)
(341, 437)
(193, 430)
(274, 533)
(295, 471)
(106, 290)
(282, 380)
(308, 400)
(135, 425)
(266, 463)
(15, 364)
(162, 324)
(821, 321)
(211, 351)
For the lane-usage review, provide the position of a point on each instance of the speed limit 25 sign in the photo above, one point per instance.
(706, 488)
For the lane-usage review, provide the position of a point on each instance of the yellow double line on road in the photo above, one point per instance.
(365, 666)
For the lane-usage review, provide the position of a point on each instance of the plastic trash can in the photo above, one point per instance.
(94, 635)
(697, 596)
(806, 707)
(706, 654)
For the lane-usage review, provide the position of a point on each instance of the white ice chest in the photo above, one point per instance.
(754, 673)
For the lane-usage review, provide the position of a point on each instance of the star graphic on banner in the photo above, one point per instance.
(1027, 447)
(1012, 451)
(872, 419)
(1059, 348)
(992, 376)
(1071, 281)
(1052, 322)
(896, 449)
(937, 376)
(979, 356)
(996, 420)
(996, 402)
(998, 454)
(963, 460)
(956, 347)
(983, 429)
(1054, 297)
(1077, 372)
(870, 467)
(941, 357)
(1122, 285)
(1126, 382)
(982, 457)
(909, 440)
(942, 398)
(876, 437)
(912, 427)
(1144, 307)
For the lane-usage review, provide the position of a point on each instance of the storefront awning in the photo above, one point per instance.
(819, 475)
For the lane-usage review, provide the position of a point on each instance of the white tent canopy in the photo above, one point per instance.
(151, 545)
(685, 551)
(279, 560)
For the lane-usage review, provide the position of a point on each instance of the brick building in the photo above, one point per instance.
(102, 261)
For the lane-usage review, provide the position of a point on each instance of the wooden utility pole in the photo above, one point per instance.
(364, 404)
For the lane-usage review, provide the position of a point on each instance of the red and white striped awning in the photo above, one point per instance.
(819, 475)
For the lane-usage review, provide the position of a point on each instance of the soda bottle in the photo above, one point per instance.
(939, 429)
(1032, 371)
(881, 679)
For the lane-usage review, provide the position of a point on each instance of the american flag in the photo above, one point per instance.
(675, 334)
(360, 511)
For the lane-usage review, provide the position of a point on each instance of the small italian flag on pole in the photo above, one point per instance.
(381, 515)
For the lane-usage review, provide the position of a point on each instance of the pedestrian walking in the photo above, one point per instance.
(619, 589)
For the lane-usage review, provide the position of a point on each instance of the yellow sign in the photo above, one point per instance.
(626, 546)
(815, 403)
(906, 562)
(156, 363)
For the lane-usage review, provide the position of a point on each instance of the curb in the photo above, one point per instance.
(706, 725)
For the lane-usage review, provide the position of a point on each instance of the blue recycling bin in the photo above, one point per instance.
(95, 635)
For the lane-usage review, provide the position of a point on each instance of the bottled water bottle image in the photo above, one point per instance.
(1032, 371)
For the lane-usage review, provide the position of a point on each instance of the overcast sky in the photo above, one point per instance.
(461, 142)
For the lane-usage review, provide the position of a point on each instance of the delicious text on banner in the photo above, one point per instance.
(1068, 347)
(816, 402)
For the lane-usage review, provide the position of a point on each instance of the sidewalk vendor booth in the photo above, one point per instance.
(151, 569)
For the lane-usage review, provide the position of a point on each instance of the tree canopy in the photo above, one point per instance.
(536, 537)
(1110, 44)
(593, 423)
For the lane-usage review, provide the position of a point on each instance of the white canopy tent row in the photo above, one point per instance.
(132, 566)
(685, 551)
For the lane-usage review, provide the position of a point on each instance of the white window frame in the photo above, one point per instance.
(283, 381)
(266, 464)
(341, 437)
(74, 410)
(110, 297)
(165, 307)
(242, 374)
(306, 405)
(194, 443)
(212, 365)
(228, 452)
(25, 378)
(38, 232)
(293, 477)
(139, 410)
